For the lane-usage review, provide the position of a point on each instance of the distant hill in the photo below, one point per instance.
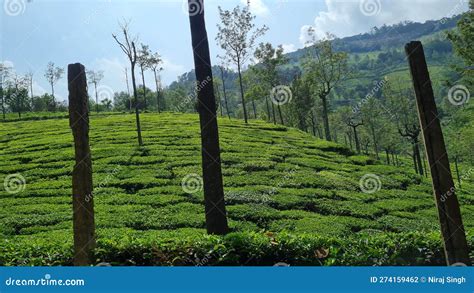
(387, 38)
(372, 56)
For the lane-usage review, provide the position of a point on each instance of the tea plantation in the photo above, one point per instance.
(290, 197)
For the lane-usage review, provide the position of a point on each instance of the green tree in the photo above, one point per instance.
(237, 35)
(463, 42)
(371, 112)
(5, 71)
(17, 94)
(143, 60)
(327, 68)
(302, 104)
(269, 59)
(401, 103)
(53, 74)
(154, 63)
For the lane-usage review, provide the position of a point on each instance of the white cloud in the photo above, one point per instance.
(257, 7)
(38, 90)
(114, 73)
(168, 65)
(8, 63)
(288, 48)
(351, 17)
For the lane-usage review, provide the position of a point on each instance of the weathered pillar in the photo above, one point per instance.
(83, 206)
(452, 229)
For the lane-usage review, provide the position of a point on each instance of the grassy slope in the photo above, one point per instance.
(276, 179)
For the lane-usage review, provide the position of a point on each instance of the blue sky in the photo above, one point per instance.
(34, 32)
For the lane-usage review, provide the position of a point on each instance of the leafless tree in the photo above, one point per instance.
(127, 45)
(94, 77)
(154, 63)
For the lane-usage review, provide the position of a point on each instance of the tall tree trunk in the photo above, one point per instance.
(144, 88)
(418, 158)
(158, 92)
(356, 139)
(220, 100)
(83, 203)
(3, 103)
(274, 113)
(414, 161)
(457, 170)
(224, 92)
(393, 159)
(268, 108)
(96, 98)
(254, 109)
(128, 91)
(18, 101)
(54, 99)
(216, 216)
(281, 115)
(374, 138)
(242, 92)
(31, 92)
(320, 132)
(313, 123)
(388, 156)
(326, 118)
(424, 164)
(135, 95)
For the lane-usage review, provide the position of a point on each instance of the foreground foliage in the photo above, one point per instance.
(290, 198)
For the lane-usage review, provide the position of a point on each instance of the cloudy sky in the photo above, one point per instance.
(34, 32)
